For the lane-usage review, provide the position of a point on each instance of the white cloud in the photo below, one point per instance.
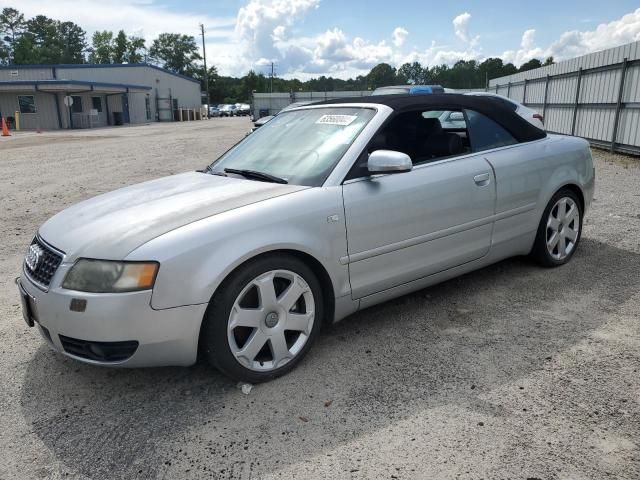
(265, 31)
(527, 50)
(606, 35)
(461, 26)
(399, 36)
(528, 39)
(576, 43)
(261, 27)
(146, 18)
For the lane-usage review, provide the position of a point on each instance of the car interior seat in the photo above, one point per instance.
(436, 142)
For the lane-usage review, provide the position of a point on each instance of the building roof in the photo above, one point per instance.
(98, 65)
(493, 107)
(70, 86)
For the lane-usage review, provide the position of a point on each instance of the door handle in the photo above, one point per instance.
(482, 179)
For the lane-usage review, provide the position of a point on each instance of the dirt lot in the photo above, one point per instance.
(509, 372)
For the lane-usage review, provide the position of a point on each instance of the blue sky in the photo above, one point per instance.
(343, 38)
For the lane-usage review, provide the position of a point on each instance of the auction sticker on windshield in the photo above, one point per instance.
(341, 120)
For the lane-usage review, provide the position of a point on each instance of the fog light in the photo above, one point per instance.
(78, 305)
(97, 350)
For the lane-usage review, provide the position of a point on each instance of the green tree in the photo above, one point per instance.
(120, 47)
(107, 49)
(12, 24)
(488, 69)
(136, 50)
(509, 69)
(548, 61)
(49, 41)
(102, 47)
(464, 74)
(530, 65)
(412, 73)
(382, 75)
(71, 42)
(176, 52)
(38, 44)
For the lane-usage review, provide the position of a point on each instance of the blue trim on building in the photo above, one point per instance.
(98, 65)
(84, 83)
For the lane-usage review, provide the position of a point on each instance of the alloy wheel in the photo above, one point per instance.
(271, 320)
(563, 228)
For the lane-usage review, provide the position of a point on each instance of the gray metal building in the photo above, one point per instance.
(271, 103)
(596, 96)
(264, 104)
(86, 96)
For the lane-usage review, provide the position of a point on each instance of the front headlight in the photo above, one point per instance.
(107, 276)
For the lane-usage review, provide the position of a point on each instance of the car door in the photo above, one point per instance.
(517, 168)
(405, 226)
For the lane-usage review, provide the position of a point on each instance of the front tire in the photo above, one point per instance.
(263, 319)
(559, 231)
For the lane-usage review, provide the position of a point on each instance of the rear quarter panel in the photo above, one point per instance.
(527, 176)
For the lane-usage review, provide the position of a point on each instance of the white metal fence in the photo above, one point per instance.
(596, 96)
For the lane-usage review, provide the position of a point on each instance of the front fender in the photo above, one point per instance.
(196, 258)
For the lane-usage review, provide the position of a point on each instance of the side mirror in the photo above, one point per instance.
(389, 161)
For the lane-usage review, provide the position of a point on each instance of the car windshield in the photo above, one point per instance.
(300, 146)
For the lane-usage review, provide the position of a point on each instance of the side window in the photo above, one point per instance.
(27, 103)
(96, 103)
(424, 135)
(76, 107)
(486, 134)
(449, 119)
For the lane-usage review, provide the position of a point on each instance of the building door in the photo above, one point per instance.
(125, 108)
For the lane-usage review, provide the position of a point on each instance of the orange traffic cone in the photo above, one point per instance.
(5, 130)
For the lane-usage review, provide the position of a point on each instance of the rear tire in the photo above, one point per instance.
(263, 319)
(559, 230)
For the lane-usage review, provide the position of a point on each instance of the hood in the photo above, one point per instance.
(111, 225)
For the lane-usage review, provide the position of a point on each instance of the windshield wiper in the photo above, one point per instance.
(265, 177)
(210, 171)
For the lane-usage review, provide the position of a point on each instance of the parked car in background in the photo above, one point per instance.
(408, 89)
(228, 110)
(325, 210)
(261, 121)
(243, 109)
(214, 111)
(529, 114)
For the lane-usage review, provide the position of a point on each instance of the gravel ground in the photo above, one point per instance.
(509, 372)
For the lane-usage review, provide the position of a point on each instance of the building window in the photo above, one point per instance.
(96, 104)
(27, 103)
(76, 107)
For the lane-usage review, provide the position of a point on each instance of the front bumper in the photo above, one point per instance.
(164, 337)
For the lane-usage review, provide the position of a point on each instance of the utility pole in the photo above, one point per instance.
(206, 73)
(272, 74)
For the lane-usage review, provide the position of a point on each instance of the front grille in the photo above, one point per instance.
(41, 262)
(99, 351)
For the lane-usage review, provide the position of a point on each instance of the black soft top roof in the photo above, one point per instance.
(493, 107)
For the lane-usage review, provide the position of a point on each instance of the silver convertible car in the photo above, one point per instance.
(325, 210)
